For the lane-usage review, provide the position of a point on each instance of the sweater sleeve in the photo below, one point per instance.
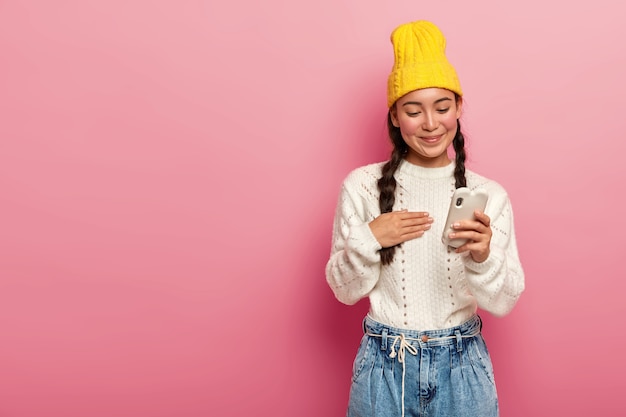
(354, 265)
(498, 282)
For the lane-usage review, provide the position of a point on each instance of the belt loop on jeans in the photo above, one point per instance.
(383, 342)
(459, 340)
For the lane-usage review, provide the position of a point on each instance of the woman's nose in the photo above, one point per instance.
(430, 122)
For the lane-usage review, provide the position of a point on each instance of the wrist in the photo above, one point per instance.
(479, 258)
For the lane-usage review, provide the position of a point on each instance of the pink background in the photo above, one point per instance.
(169, 172)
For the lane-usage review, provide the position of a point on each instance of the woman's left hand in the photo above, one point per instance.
(479, 234)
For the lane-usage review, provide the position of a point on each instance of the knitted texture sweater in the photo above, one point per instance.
(427, 286)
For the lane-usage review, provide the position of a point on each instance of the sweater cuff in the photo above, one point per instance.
(492, 261)
(364, 243)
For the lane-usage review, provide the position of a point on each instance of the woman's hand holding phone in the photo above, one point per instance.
(478, 233)
(467, 227)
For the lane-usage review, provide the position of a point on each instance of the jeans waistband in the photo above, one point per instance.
(439, 337)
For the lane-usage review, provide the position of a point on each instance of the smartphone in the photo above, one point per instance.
(462, 205)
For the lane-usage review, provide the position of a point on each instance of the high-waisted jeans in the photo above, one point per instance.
(436, 373)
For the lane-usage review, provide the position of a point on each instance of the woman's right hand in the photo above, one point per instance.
(393, 228)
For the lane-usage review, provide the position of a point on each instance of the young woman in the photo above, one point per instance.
(422, 352)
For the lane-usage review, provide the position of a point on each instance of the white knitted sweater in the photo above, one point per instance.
(427, 286)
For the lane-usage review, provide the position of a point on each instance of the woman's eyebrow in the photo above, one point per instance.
(417, 103)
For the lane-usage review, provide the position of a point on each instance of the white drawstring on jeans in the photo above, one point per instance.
(402, 348)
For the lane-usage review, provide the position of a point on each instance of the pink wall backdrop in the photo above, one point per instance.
(169, 172)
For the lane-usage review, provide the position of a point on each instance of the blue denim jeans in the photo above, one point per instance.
(444, 373)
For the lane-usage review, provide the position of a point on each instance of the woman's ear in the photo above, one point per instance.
(459, 106)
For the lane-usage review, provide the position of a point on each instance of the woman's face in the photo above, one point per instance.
(427, 119)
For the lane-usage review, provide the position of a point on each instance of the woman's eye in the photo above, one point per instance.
(413, 114)
(442, 111)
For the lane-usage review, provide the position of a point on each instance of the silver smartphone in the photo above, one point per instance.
(464, 202)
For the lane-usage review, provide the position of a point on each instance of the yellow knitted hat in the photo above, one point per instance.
(419, 61)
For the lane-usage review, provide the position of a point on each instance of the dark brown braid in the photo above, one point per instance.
(459, 149)
(387, 183)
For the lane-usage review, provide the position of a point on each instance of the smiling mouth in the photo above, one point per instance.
(431, 139)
